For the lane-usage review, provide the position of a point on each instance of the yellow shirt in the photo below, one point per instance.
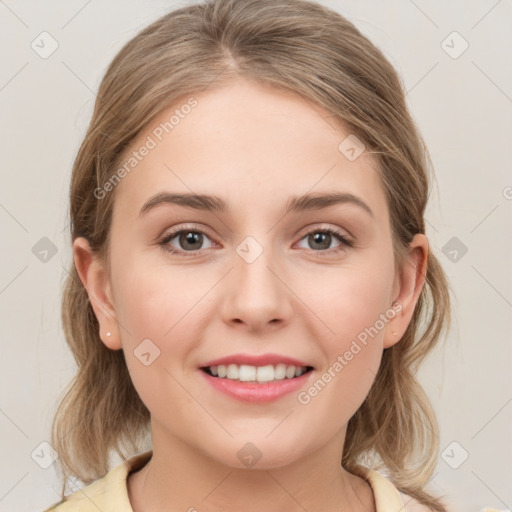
(110, 493)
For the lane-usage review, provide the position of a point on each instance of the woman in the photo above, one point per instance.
(251, 280)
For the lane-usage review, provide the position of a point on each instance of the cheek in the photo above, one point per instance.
(338, 391)
(162, 318)
(156, 337)
(349, 301)
(351, 306)
(156, 300)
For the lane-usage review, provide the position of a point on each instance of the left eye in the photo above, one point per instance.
(324, 237)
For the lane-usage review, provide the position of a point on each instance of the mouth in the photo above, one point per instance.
(256, 374)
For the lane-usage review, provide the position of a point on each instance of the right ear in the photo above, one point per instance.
(94, 277)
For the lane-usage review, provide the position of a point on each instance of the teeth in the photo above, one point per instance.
(246, 373)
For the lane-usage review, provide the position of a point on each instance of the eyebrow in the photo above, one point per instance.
(213, 203)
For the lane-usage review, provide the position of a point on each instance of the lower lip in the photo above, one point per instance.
(255, 391)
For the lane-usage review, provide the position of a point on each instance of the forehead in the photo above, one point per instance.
(250, 144)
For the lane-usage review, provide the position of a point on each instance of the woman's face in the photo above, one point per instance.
(254, 277)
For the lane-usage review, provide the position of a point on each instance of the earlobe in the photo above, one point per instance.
(93, 275)
(412, 280)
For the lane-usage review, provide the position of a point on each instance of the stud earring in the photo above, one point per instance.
(109, 333)
(393, 333)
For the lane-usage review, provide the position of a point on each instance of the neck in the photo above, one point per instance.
(179, 477)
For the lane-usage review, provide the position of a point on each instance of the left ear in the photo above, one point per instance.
(411, 281)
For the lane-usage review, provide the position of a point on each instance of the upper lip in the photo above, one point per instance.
(255, 360)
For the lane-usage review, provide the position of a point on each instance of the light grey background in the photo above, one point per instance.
(463, 107)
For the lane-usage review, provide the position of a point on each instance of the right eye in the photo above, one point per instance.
(188, 241)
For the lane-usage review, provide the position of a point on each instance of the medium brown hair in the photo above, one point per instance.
(313, 51)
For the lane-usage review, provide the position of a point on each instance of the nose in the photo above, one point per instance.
(258, 296)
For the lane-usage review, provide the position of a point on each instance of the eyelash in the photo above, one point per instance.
(345, 242)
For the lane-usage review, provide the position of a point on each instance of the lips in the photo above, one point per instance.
(255, 360)
(257, 392)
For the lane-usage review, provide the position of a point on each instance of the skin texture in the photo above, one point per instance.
(255, 147)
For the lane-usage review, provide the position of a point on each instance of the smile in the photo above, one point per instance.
(248, 373)
(252, 389)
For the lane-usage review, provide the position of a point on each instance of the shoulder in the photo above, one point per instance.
(107, 493)
(70, 504)
(413, 505)
(56, 507)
